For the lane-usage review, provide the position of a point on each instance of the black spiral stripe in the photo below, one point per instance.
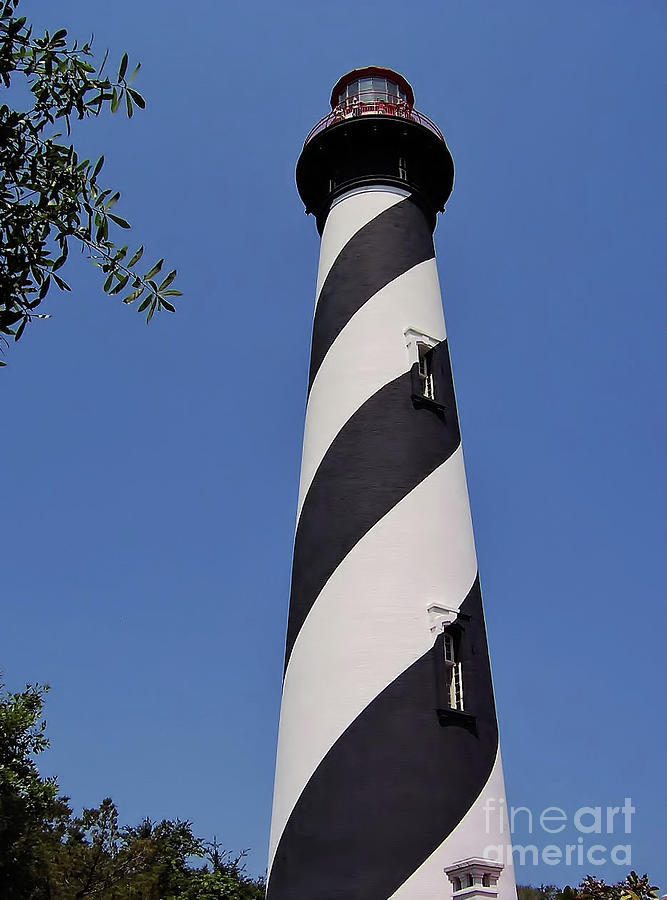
(393, 786)
(384, 451)
(386, 247)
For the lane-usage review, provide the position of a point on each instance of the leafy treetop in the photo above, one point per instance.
(47, 853)
(49, 197)
(632, 887)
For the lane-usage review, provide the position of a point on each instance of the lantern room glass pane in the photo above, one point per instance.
(365, 89)
(379, 87)
(345, 93)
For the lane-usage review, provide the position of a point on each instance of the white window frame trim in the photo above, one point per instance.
(413, 338)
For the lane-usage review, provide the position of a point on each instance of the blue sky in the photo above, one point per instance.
(152, 472)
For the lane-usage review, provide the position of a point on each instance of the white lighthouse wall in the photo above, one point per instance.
(369, 623)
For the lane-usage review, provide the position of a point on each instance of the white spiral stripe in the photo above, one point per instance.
(368, 353)
(370, 623)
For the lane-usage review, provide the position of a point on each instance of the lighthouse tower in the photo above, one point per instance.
(388, 775)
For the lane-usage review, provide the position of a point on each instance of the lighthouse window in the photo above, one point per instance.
(454, 674)
(426, 370)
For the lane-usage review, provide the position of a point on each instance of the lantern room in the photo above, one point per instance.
(372, 91)
(369, 87)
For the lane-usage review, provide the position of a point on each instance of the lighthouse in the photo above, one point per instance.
(388, 779)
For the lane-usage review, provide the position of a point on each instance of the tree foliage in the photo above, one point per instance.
(33, 817)
(632, 887)
(50, 198)
(48, 853)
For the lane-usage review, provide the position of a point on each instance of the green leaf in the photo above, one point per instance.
(168, 280)
(107, 284)
(137, 256)
(122, 68)
(167, 305)
(151, 311)
(102, 232)
(115, 100)
(172, 293)
(134, 74)
(113, 200)
(138, 99)
(142, 306)
(117, 219)
(44, 288)
(99, 200)
(156, 268)
(128, 104)
(61, 284)
(104, 61)
(97, 169)
(61, 259)
(21, 328)
(121, 284)
(133, 296)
